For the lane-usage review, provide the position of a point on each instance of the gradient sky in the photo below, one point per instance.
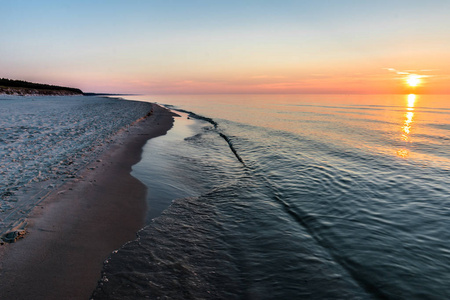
(168, 47)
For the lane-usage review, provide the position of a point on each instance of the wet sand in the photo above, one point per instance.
(76, 227)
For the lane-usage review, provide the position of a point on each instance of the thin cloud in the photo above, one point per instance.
(410, 72)
(267, 77)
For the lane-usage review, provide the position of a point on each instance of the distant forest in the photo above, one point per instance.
(38, 86)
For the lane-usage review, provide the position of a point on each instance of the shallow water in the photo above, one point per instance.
(299, 196)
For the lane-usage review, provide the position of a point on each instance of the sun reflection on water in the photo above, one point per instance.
(411, 101)
(407, 123)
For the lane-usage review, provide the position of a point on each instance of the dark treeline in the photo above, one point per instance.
(38, 86)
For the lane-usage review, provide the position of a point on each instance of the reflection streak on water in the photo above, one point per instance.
(406, 128)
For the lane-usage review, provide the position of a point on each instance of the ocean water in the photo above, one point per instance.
(45, 140)
(293, 197)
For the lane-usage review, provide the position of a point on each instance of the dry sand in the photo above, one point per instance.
(75, 228)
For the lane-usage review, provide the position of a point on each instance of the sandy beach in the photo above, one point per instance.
(76, 227)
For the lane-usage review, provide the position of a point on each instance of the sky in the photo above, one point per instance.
(210, 47)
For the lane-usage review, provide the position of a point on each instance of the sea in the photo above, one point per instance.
(292, 197)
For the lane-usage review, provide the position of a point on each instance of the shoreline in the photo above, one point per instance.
(77, 226)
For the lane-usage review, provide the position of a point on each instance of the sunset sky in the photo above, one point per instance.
(172, 47)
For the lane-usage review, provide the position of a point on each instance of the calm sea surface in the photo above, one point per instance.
(294, 197)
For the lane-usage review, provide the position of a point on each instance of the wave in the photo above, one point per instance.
(193, 115)
(310, 209)
(216, 127)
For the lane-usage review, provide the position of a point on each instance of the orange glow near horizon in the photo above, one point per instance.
(281, 81)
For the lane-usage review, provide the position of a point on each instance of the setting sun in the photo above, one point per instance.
(413, 80)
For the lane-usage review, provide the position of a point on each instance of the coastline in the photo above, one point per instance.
(35, 92)
(25, 88)
(76, 227)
